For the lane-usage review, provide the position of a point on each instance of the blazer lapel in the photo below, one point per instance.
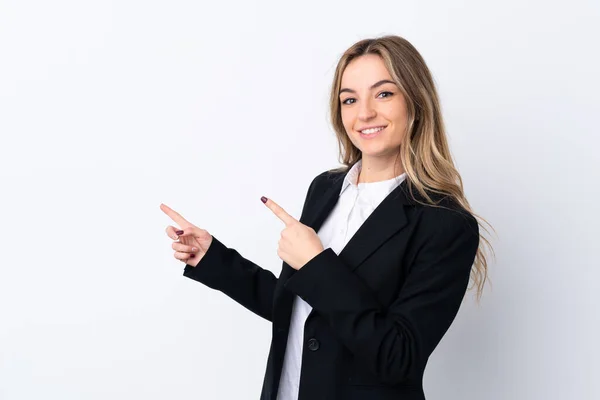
(387, 219)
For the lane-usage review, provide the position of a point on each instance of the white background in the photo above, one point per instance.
(108, 108)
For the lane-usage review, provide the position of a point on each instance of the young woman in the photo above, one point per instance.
(376, 268)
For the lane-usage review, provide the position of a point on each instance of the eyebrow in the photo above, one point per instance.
(381, 82)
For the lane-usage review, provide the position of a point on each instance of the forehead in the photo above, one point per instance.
(364, 71)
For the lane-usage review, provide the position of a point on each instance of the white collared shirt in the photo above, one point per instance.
(356, 203)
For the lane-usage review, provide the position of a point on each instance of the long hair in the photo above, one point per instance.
(425, 154)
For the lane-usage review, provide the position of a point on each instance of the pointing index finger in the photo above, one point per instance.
(175, 216)
(280, 212)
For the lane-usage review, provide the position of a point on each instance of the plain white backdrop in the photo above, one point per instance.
(108, 108)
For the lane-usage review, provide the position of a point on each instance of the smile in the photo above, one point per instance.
(371, 133)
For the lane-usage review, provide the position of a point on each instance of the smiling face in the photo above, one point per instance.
(370, 98)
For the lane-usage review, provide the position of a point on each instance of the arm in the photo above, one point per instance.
(395, 342)
(225, 270)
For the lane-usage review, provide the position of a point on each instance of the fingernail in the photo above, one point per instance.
(191, 256)
(263, 199)
(179, 232)
(194, 249)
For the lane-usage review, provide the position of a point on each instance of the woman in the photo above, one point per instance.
(376, 268)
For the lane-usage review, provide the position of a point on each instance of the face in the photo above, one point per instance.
(367, 100)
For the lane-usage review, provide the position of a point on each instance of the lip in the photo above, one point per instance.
(372, 135)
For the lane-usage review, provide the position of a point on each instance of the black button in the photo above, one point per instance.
(313, 344)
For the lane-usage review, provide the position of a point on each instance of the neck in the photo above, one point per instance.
(377, 169)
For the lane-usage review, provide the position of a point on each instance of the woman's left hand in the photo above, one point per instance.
(299, 243)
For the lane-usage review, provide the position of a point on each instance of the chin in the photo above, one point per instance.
(378, 151)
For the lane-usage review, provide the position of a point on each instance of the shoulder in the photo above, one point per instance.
(326, 179)
(446, 219)
(330, 176)
(316, 186)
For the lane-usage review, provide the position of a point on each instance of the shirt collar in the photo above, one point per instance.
(351, 176)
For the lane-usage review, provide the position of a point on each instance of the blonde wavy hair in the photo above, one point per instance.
(425, 154)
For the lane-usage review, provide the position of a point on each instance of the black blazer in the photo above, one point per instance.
(379, 308)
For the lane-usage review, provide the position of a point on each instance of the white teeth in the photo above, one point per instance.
(372, 130)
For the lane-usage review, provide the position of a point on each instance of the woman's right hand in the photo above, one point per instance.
(193, 242)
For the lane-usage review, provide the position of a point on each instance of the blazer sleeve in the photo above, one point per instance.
(224, 269)
(395, 342)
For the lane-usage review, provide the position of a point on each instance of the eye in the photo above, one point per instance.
(352, 98)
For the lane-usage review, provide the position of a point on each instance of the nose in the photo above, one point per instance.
(366, 110)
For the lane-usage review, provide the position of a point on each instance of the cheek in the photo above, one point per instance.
(400, 113)
(347, 120)
(396, 113)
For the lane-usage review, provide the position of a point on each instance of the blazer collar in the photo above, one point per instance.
(387, 218)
